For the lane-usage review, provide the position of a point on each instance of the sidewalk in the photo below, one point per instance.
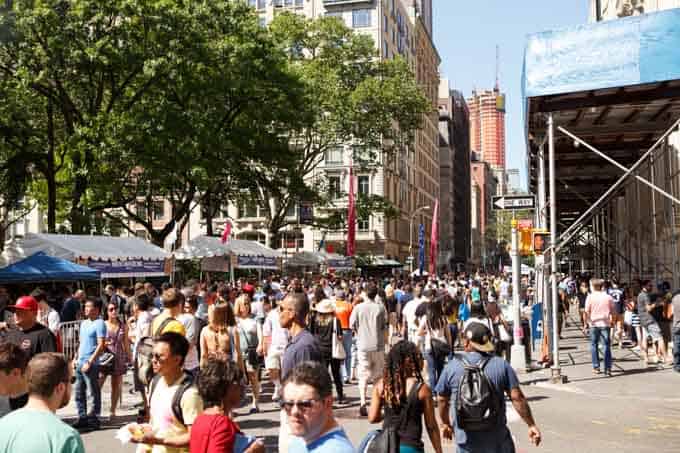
(628, 371)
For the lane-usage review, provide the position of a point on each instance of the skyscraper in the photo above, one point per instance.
(487, 126)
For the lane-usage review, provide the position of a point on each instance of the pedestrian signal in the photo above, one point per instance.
(540, 241)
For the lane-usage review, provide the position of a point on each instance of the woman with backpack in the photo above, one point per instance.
(437, 342)
(250, 336)
(405, 399)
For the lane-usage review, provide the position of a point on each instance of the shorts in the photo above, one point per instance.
(654, 331)
(619, 308)
(665, 327)
(370, 365)
(273, 359)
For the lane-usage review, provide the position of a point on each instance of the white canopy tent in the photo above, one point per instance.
(114, 257)
(239, 253)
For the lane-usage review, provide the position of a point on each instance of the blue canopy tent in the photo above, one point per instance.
(40, 267)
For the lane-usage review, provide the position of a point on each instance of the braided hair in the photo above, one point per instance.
(403, 361)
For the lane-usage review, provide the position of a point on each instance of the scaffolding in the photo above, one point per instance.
(602, 115)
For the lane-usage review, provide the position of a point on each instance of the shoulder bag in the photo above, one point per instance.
(338, 350)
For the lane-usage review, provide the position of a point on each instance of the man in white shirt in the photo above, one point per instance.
(408, 313)
(275, 342)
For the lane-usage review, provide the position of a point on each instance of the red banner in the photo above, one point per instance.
(434, 239)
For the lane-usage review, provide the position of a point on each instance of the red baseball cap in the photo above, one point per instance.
(27, 303)
(248, 288)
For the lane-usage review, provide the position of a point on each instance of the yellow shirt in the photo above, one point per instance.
(172, 326)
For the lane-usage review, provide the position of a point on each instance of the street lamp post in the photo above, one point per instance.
(410, 234)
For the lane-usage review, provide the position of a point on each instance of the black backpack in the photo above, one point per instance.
(478, 403)
(186, 381)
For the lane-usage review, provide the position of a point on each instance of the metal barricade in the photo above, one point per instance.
(69, 336)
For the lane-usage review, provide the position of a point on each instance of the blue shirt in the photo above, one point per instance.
(301, 348)
(500, 374)
(90, 331)
(335, 441)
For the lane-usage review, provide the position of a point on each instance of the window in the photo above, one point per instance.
(334, 189)
(362, 224)
(363, 185)
(334, 155)
(140, 234)
(248, 209)
(140, 210)
(158, 210)
(361, 18)
(298, 2)
(291, 211)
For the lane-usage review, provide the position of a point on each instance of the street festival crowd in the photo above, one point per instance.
(195, 351)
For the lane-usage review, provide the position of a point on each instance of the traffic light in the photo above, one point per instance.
(525, 241)
(540, 241)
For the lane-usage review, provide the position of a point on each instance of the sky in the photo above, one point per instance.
(466, 34)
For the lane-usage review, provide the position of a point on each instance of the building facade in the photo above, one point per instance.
(487, 126)
(484, 186)
(454, 182)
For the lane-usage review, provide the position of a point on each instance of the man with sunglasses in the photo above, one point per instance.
(35, 428)
(171, 422)
(308, 403)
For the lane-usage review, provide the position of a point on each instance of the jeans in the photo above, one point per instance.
(347, 344)
(597, 334)
(88, 393)
(676, 350)
(434, 369)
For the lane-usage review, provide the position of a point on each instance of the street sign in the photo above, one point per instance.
(514, 202)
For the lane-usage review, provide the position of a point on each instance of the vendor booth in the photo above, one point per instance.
(216, 256)
(112, 257)
(40, 268)
(320, 261)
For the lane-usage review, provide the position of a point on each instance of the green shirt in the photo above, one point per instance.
(35, 431)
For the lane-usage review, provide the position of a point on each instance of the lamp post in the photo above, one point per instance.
(410, 234)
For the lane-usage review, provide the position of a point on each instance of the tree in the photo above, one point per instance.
(351, 96)
(151, 100)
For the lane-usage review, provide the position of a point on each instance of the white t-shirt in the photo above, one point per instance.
(437, 334)
(272, 328)
(162, 419)
(505, 289)
(192, 327)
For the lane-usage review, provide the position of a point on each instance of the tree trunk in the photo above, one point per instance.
(51, 177)
(208, 212)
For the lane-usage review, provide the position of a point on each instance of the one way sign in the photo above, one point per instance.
(504, 202)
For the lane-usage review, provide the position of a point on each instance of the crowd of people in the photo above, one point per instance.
(194, 350)
(639, 316)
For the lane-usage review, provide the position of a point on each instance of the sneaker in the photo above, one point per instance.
(341, 401)
(275, 395)
(79, 424)
(363, 411)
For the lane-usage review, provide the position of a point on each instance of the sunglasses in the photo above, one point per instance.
(157, 357)
(112, 308)
(302, 405)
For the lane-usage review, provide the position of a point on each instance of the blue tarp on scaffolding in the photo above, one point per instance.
(631, 51)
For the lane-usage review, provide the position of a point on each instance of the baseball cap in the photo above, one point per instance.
(27, 303)
(479, 336)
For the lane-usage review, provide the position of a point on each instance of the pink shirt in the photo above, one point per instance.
(599, 306)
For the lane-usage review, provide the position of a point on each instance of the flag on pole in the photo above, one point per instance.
(421, 249)
(434, 239)
(351, 216)
(226, 234)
